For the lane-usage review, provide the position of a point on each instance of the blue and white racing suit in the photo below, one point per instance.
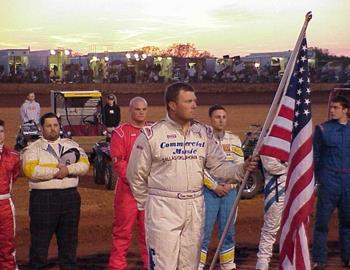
(275, 173)
(218, 208)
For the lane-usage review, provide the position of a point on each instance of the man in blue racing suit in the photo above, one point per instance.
(332, 171)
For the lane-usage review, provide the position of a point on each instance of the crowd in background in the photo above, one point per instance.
(236, 72)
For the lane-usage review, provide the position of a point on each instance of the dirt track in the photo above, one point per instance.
(97, 213)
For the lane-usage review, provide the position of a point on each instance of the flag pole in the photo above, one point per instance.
(270, 117)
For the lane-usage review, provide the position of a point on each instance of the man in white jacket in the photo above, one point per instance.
(53, 165)
(165, 172)
(30, 109)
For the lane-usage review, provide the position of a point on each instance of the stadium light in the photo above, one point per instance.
(128, 55)
(106, 58)
(257, 65)
(144, 56)
(66, 52)
(52, 52)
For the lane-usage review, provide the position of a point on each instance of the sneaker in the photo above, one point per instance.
(319, 266)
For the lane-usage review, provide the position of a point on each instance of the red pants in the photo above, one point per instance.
(125, 215)
(7, 235)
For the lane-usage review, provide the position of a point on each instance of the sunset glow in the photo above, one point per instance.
(221, 27)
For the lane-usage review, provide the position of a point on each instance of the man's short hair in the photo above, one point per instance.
(344, 102)
(214, 108)
(172, 92)
(2, 123)
(136, 99)
(47, 115)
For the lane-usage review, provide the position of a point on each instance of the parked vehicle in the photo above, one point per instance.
(255, 182)
(27, 133)
(102, 164)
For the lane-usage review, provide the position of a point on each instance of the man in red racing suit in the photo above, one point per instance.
(9, 171)
(125, 209)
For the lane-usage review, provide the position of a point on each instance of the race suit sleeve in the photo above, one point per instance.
(273, 166)
(33, 170)
(218, 167)
(139, 167)
(118, 153)
(209, 181)
(16, 168)
(238, 158)
(317, 143)
(81, 167)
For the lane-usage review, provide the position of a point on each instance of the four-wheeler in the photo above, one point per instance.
(255, 182)
(102, 164)
(27, 133)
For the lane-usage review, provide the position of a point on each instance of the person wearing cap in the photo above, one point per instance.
(9, 171)
(53, 166)
(111, 113)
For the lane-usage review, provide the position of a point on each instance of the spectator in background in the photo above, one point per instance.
(30, 109)
(111, 113)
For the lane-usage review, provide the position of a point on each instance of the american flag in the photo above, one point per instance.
(290, 139)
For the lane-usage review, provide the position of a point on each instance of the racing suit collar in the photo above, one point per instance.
(178, 126)
(46, 142)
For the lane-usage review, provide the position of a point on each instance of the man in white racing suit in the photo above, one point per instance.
(165, 172)
(275, 173)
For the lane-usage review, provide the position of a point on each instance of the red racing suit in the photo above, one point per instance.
(9, 171)
(125, 206)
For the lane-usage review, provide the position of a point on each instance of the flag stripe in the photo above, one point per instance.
(267, 150)
(284, 122)
(281, 133)
(286, 113)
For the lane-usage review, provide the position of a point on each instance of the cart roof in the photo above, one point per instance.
(93, 93)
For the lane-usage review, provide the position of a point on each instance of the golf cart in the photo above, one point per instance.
(80, 114)
(255, 182)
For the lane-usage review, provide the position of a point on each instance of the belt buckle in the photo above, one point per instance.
(183, 196)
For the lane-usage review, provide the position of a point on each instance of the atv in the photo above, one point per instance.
(255, 182)
(102, 164)
(27, 133)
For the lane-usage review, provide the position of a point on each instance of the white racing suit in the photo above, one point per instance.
(275, 173)
(165, 172)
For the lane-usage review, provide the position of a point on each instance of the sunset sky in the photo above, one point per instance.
(219, 26)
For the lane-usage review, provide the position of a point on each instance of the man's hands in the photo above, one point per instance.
(222, 189)
(63, 171)
(251, 164)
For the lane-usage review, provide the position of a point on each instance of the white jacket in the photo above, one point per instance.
(40, 162)
(163, 158)
(30, 110)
